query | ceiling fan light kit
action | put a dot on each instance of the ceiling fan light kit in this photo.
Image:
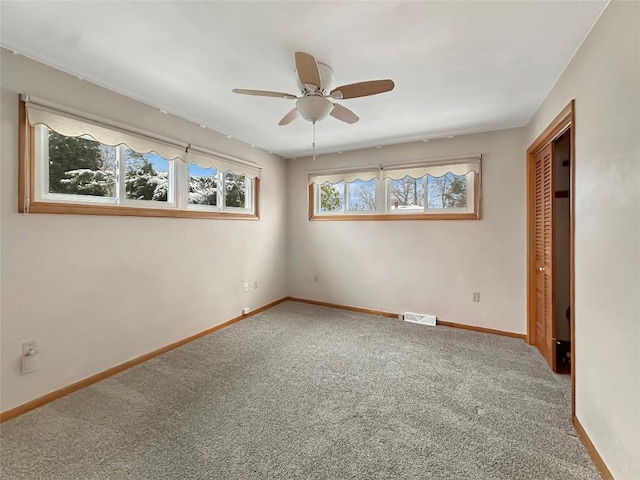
(314, 108)
(314, 82)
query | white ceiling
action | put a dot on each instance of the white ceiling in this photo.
(459, 67)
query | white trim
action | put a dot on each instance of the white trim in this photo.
(79, 199)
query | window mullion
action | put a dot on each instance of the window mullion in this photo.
(248, 193)
(470, 186)
(387, 195)
(181, 183)
(42, 187)
(221, 190)
(316, 198)
(425, 183)
(171, 183)
(381, 192)
(119, 168)
(345, 194)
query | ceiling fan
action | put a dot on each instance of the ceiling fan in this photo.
(315, 103)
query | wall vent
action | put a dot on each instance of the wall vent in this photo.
(420, 318)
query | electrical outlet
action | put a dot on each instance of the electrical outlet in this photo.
(26, 346)
(245, 288)
(316, 278)
(245, 311)
(255, 284)
(476, 296)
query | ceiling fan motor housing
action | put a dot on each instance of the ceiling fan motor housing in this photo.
(313, 108)
(326, 78)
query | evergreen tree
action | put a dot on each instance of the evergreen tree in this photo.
(142, 181)
(456, 195)
(88, 182)
(203, 190)
(235, 190)
(74, 167)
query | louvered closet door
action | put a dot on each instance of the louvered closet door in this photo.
(544, 253)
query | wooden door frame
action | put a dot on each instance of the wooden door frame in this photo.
(564, 121)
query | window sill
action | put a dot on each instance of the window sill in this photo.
(396, 216)
(119, 210)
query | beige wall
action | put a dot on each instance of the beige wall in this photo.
(604, 80)
(421, 266)
(97, 291)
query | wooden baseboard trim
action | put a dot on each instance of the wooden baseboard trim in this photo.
(395, 315)
(473, 328)
(56, 394)
(344, 307)
(593, 452)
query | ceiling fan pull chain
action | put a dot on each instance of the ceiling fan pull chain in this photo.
(314, 141)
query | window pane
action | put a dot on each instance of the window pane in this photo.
(81, 166)
(203, 185)
(146, 176)
(235, 190)
(407, 194)
(332, 197)
(447, 191)
(362, 195)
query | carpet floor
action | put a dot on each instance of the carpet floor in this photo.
(308, 392)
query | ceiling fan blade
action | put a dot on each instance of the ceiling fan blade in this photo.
(343, 114)
(363, 89)
(289, 117)
(264, 93)
(307, 69)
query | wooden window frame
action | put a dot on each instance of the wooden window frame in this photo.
(27, 194)
(476, 214)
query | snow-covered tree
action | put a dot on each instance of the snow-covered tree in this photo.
(77, 166)
(84, 181)
(235, 190)
(142, 181)
(203, 190)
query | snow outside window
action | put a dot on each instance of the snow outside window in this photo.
(80, 170)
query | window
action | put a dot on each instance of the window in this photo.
(406, 194)
(446, 189)
(341, 197)
(362, 196)
(209, 187)
(77, 167)
(203, 186)
(146, 177)
(72, 166)
(332, 197)
(236, 191)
